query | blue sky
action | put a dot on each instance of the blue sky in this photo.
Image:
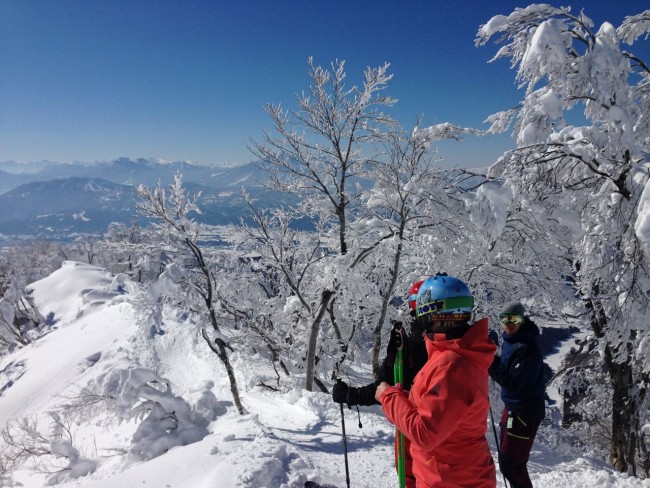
(187, 80)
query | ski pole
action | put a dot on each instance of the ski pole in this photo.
(345, 448)
(398, 377)
(496, 440)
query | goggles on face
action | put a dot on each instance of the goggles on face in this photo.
(511, 318)
(443, 322)
(447, 305)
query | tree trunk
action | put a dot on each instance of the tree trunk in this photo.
(340, 211)
(343, 345)
(220, 350)
(623, 445)
(223, 356)
(376, 346)
(326, 296)
(625, 403)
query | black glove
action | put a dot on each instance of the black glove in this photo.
(395, 340)
(340, 392)
(493, 335)
(365, 395)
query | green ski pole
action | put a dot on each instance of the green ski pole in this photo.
(398, 377)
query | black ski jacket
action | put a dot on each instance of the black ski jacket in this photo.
(520, 372)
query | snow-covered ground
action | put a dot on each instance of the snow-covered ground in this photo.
(284, 439)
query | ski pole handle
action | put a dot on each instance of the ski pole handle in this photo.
(398, 334)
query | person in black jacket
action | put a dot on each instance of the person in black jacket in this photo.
(415, 355)
(519, 372)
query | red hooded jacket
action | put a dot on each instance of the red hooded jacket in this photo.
(445, 414)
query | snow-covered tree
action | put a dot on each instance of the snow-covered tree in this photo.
(520, 251)
(126, 249)
(179, 235)
(20, 320)
(596, 169)
(166, 420)
(13, 330)
(369, 186)
(61, 446)
(283, 267)
(23, 442)
(319, 151)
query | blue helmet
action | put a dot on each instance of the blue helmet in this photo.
(442, 294)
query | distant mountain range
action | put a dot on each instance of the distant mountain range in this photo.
(61, 201)
(127, 171)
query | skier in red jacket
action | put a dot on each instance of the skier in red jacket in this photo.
(444, 416)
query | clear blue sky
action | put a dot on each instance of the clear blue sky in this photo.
(186, 80)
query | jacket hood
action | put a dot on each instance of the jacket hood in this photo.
(474, 345)
(528, 332)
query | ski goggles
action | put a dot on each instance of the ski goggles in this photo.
(511, 318)
(447, 305)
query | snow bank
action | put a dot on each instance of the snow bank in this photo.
(73, 288)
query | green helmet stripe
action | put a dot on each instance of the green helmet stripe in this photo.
(448, 304)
